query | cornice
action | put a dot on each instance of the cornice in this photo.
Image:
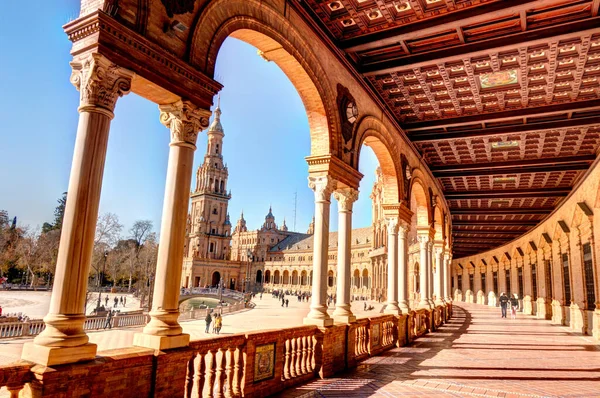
(98, 32)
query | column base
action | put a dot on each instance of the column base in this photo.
(161, 342)
(439, 303)
(50, 356)
(424, 304)
(392, 309)
(344, 318)
(325, 322)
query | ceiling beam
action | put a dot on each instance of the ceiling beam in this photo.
(511, 163)
(508, 193)
(498, 211)
(572, 166)
(428, 136)
(449, 21)
(458, 230)
(565, 31)
(500, 223)
(547, 110)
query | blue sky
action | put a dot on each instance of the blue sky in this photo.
(266, 132)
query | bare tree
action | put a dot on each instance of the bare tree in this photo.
(108, 230)
(139, 233)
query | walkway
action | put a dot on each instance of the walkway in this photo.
(476, 354)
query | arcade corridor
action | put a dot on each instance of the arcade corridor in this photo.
(476, 354)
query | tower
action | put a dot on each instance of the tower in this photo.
(210, 230)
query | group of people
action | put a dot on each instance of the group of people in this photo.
(513, 300)
(217, 323)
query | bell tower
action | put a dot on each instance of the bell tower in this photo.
(210, 231)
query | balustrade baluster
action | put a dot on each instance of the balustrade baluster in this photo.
(220, 374)
(293, 357)
(298, 355)
(229, 373)
(198, 380)
(236, 372)
(286, 364)
(303, 367)
(209, 375)
(311, 354)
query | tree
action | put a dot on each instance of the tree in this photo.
(108, 231)
(139, 233)
(59, 212)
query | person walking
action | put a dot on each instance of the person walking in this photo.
(124, 300)
(116, 300)
(106, 301)
(208, 321)
(287, 302)
(514, 304)
(218, 323)
(108, 322)
(503, 303)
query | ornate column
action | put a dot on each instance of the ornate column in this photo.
(423, 272)
(447, 276)
(430, 275)
(323, 186)
(100, 84)
(392, 260)
(163, 331)
(403, 266)
(439, 275)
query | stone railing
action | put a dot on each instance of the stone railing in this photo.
(256, 364)
(19, 329)
(201, 313)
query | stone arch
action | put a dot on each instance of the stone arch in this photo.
(258, 277)
(356, 277)
(330, 281)
(372, 133)
(286, 277)
(365, 278)
(262, 26)
(303, 278)
(276, 277)
(267, 276)
(295, 277)
(419, 203)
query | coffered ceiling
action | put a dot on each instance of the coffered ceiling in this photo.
(501, 97)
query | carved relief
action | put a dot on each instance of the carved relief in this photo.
(99, 81)
(348, 112)
(178, 6)
(406, 176)
(184, 120)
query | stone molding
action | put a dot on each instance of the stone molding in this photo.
(346, 198)
(323, 186)
(185, 121)
(100, 83)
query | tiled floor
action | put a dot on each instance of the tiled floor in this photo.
(477, 354)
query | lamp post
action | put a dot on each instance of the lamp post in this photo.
(100, 281)
(248, 271)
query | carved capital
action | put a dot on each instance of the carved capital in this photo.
(423, 241)
(100, 83)
(392, 225)
(184, 120)
(346, 198)
(323, 187)
(403, 229)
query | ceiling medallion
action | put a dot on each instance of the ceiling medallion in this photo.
(498, 79)
(177, 7)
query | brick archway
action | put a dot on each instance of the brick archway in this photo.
(263, 27)
(373, 133)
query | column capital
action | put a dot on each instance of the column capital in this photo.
(346, 198)
(100, 83)
(439, 250)
(423, 240)
(323, 186)
(392, 224)
(403, 228)
(185, 120)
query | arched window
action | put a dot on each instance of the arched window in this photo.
(215, 211)
(330, 279)
(222, 186)
(217, 149)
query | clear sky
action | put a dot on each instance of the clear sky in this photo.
(266, 132)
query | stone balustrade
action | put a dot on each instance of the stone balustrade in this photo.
(255, 364)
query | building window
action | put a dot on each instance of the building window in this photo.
(507, 278)
(533, 282)
(520, 281)
(548, 278)
(212, 247)
(215, 211)
(588, 269)
(483, 287)
(471, 276)
(460, 282)
(495, 277)
(566, 278)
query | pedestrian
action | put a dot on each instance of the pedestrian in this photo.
(121, 301)
(0, 310)
(261, 295)
(108, 322)
(106, 301)
(218, 323)
(514, 304)
(282, 302)
(124, 300)
(116, 300)
(287, 302)
(365, 306)
(208, 321)
(503, 303)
